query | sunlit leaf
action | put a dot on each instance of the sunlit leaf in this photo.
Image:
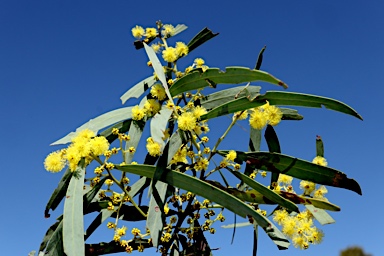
(297, 168)
(99, 123)
(202, 37)
(212, 76)
(320, 215)
(138, 89)
(73, 227)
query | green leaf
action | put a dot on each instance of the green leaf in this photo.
(174, 145)
(215, 99)
(122, 126)
(159, 125)
(290, 114)
(307, 100)
(319, 146)
(273, 147)
(55, 244)
(135, 133)
(48, 235)
(73, 226)
(212, 193)
(99, 123)
(159, 70)
(281, 99)
(232, 75)
(179, 28)
(297, 168)
(260, 58)
(266, 192)
(59, 193)
(138, 89)
(320, 215)
(202, 37)
(90, 195)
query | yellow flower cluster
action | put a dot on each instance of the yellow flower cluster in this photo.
(138, 32)
(84, 145)
(171, 54)
(299, 228)
(263, 115)
(153, 147)
(309, 186)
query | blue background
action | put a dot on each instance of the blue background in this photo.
(64, 62)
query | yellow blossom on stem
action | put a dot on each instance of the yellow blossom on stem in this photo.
(231, 156)
(155, 47)
(111, 225)
(201, 164)
(169, 54)
(273, 114)
(168, 30)
(121, 231)
(135, 231)
(258, 120)
(138, 32)
(187, 121)
(241, 115)
(153, 148)
(285, 179)
(138, 113)
(99, 145)
(198, 111)
(150, 32)
(54, 162)
(152, 106)
(320, 192)
(181, 49)
(320, 161)
(199, 62)
(158, 91)
(307, 186)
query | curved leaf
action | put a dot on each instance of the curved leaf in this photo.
(99, 123)
(266, 192)
(135, 133)
(138, 89)
(319, 146)
(281, 99)
(297, 168)
(59, 193)
(201, 37)
(212, 76)
(212, 193)
(159, 125)
(73, 226)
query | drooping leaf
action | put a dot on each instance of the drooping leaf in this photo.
(266, 192)
(174, 145)
(138, 89)
(158, 67)
(281, 99)
(320, 215)
(319, 146)
(55, 244)
(48, 235)
(297, 168)
(99, 123)
(73, 226)
(202, 37)
(59, 193)
(212, 193)
(231, 75)
(273, 147)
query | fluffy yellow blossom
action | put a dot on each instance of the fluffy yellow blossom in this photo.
(169, 54)
(280, 216)
(187, 121)
(201, 164)
(231, 155)
(54, 162)
(199, 62)
(300, 242)
(158, 91)
(155, 47)
(199, 111)
(320, 192)
(285, 179)
(307, 186)
(181, 49)
(180, 156)
(109, 182)
(150, 32)
(84, 134)
(99, 145)
(72, 157)
(82, 146)
(121, 231)
(168, 30)
(273, 114)
(320, 161)
(152, 106)
(153, 148)
(205, 139)
(258, 120)
(138, 32)
(137, 113)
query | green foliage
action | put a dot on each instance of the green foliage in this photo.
(185, 176)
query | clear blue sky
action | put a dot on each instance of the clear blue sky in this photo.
(64, 62)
